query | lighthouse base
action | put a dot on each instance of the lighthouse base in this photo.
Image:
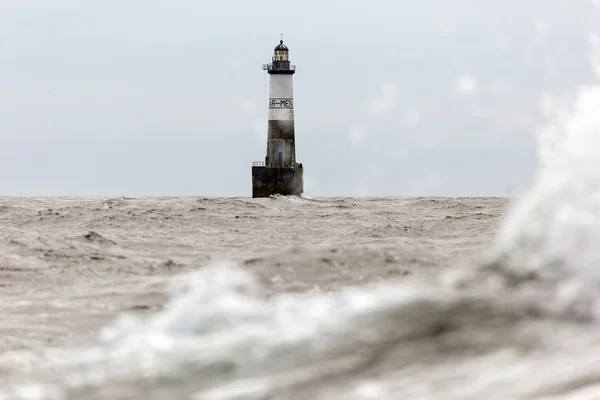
(267, 181)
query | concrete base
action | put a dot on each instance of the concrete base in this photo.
(267, 181)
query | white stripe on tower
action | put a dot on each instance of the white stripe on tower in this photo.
(281, 98)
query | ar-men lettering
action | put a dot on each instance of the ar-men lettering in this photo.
(281, 103)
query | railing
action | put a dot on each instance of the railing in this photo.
(269, 67)
(258, 164)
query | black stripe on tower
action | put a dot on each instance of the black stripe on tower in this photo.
(279, 129)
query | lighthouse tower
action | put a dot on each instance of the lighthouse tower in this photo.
(279, 173)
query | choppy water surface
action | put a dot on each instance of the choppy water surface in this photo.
(223, 297)
(290, 298)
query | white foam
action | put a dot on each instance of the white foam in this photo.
(555, 229)
(222, 328)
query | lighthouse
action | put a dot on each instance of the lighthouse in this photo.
(279, 173)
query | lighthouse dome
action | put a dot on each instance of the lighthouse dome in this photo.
(281, 46)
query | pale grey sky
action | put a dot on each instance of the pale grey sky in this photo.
(393, 97)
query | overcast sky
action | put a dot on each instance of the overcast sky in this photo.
(392, 97)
